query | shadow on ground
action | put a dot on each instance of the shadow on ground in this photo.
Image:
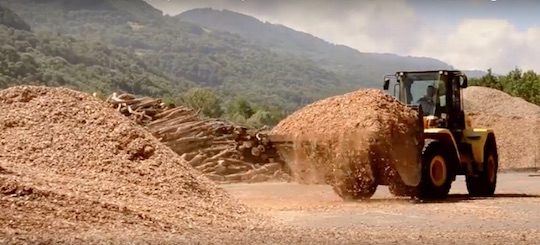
(453, 198)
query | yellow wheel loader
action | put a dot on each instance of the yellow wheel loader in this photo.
(450, 145)
(447, 144)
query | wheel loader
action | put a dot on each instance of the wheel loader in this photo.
(447, 144)
(450, 145)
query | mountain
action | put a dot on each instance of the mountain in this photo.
(10, 19)
(186, 53)
(357, 68)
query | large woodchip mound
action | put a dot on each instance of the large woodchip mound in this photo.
(72, 168)
(353, 141)
(516, 123)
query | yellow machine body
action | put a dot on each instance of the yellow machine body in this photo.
(475, 137)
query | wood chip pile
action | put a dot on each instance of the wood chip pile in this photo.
(515, 121)
(71, 168)
(222, 151)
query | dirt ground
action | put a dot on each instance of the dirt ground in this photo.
(513, 216)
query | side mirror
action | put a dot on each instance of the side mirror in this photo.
(465, 82)
(386, 85)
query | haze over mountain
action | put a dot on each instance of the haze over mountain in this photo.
(10, 19)
(366, 69)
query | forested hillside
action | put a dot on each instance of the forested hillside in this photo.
(183, 51)
(356, 68)
(56, 60)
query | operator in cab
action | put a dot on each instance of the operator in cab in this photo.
(427, 102)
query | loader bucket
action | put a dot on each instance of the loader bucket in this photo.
(409, 170)
(408, 163)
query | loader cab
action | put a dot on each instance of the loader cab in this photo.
(436, 93)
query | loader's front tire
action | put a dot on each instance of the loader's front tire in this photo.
(485, 183)
(436, 172)
(349, 194)
(352, 188)
(400, 189)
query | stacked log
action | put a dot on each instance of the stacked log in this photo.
(221, 150)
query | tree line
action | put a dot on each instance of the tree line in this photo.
(238, 109)
(516, 83)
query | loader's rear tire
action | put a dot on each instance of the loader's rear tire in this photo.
(436, 171)
(485, 183)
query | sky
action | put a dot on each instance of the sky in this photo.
(468, 34)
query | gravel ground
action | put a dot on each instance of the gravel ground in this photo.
(513, 216)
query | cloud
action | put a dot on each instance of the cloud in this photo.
(370, 26)
(482, 44)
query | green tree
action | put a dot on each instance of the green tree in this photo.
(239, 108)
(203, 99)
(516, 83)
(260, 118)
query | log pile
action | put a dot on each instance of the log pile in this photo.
(222, 151)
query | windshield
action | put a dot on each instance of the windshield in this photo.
(422, 89)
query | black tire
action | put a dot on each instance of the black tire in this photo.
(354, 180)
(401, 190)
(396, 186)
(354, 190)
(351, 183)
(436, 171)
(485, 183)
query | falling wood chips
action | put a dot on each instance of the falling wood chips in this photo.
(219, 149)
